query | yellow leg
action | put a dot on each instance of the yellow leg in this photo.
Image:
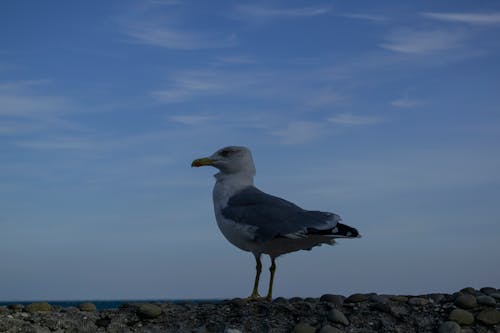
(258, 270)
(272, 269)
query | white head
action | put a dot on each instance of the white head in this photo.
(229, 160)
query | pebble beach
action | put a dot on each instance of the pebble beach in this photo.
(468, 310)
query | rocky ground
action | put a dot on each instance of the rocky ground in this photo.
(469, 310)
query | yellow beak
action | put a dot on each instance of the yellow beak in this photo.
(202, 162)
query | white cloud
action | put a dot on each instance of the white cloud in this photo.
(405, 102)
(367, 17)
(171, 38)
(259, 12)
(423, 41)
(468, 18)
(299, 132)
(353, 120)
(190, 119)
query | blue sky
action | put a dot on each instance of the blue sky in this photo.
(386, 113)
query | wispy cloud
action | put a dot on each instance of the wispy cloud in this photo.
(299, 132)
(354, 120)
(173, 38)
(406, 102)
(190, 119)
(262, 13)
(423, 41)
(366, 17)
(468, 18)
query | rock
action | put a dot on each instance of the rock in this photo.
(437, 298)
(418, 301)
(462, 317)
(401, 299)
(486, 300)
(295, 299)
(279, 300)
(378, 299)
(232, 330)
(449, 327)
(148, 310)
(489, 317)
(330, 329)
(304, 328)
(103, 322)
(466, 301)
(468, 290)
(3, 309)
(338, 300)
(338, 317)
(310, 300)
(356, 298)
(496, 296)
(39, 307)
(87, 306)
(16, 307)
(488, 290)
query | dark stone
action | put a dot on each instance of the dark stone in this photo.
(338, 300)
(466, 301)
(356, 298)
(489, 317)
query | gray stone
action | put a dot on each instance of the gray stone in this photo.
(437, 298)
(418, 301)
(449, 327)
(468, 290)
(486, 300)
(401, 299)
(466, 301)
(39, 307)
(232, 330)
(379, 299)
(148, 310)
(356, 298)
(338, 300)
(330, 329)
(338, 317)
(489, 317)
(16, 307)
(304, 328)
(87, 306)
(488, 290)
(496, 296)
(462, 317)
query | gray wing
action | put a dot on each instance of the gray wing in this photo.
(275, 217)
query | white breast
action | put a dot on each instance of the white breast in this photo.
(226, 186)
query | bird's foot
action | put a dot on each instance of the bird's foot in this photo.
(254, 297)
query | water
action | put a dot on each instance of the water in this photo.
(112, 304)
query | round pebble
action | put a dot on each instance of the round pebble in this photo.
(486, 300)
(419, 301)
(338, 300)
(330, 329)
(469, 290)
(338, 317)
(356, 298)
(402, 299)
(304, 328)
(496, 296)
(488, 290)
(466, 301)
(489, 317)
(449, 327)
(462, 317)
(39, 307)
(149, 310)
(88, 307)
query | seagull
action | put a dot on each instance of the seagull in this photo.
(260, 223)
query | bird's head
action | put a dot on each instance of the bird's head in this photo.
(232, 159)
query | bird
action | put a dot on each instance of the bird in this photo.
(260, 223)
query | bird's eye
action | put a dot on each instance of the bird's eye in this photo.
(225, 152)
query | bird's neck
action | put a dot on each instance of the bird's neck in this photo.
(228, 184)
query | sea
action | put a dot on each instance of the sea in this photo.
(112, 304)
